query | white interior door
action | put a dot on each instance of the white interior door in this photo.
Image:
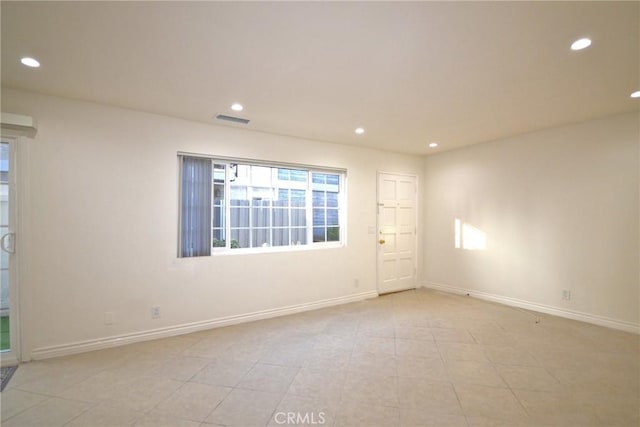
(397, 231)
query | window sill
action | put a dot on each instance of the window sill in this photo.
(277, 249)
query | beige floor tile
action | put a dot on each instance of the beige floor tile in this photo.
(327, 342)
(52, 412)
(171, 346)
(271, 378)
(515, 372)
(193, 401)
(56, 380)
(345, 328)
(611, 380)
(159, 420)
(204, 351)
(299, 410)
(460, 351)
(493, 338)
(105, 416)
(452, 335)
(290, 337)
(528, 378)
(13, 401)
(319, 384)
(181, 368)
(412, 417)
(416, 348)
(616, 409)
(422, 367)
(245, 352)
(27, 372)
(329, 359)
(287, 355)
(91, 362)
(448, 322)
(477, 421)
(374, 330)
(373, 364)
(429, 396)
(509, 355)
(145, 365)
(358, 414)
(551, 358)
(143, 393)
(408, 320)
(490, 402)
(97, 388)
(613, 415)
(245, 408)
(376, 345)
(557, 409)
(612, 361)
(223, 372)
(477, 373)
(414, 333)
(373, 390)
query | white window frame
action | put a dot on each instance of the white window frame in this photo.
(310, 169)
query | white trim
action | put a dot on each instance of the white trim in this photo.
(269, 163)
(18, 125)
(541, 308)
(118, 340)
(12, 355)
(8, 360)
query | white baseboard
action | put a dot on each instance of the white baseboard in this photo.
(541, 308)
(118, 340)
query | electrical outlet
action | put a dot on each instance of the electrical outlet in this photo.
(356, 283)
(566, 294)
(155, 312)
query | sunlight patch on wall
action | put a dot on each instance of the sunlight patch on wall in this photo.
(468, 237)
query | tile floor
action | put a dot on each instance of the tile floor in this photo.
(416, 358)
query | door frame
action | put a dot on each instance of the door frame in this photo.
(13, 355)
(378, 225)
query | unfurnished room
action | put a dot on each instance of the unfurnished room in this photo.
(320, 213)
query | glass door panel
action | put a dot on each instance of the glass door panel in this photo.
(8, 312)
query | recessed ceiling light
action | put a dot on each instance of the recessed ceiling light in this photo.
(359, 131)
(636, 94)
(433, 145)
(237, 107)
(581, 44)
(30, 62)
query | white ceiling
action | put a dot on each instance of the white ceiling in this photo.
(409, 73)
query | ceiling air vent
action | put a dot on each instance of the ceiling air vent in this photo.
(232, 119)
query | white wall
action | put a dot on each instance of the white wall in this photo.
(560, 211)
(99, 225)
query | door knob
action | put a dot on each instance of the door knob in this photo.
(381, 241)
(8, 247)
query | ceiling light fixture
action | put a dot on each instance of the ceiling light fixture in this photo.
(636, 94)
(237, 107)
(30, 62)
(359, 131)
(433, 145)
(581, 44)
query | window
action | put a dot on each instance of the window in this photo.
(231, 205)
